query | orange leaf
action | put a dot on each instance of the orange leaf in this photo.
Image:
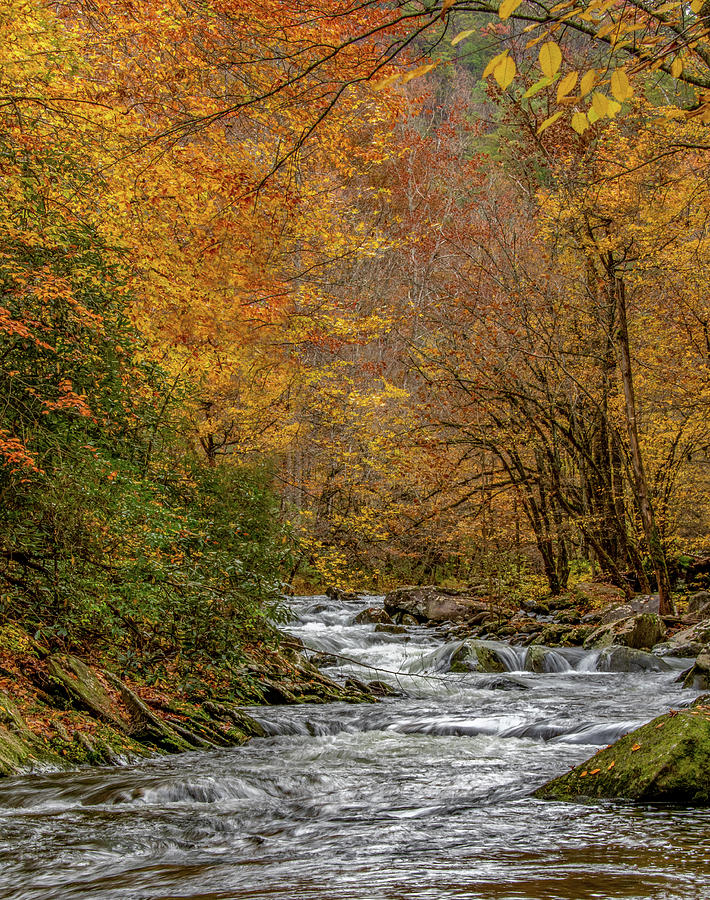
(636, 747)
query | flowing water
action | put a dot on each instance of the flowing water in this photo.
(425, 795)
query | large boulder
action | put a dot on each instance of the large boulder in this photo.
(19, 748)
(665, 761)
(544, 659)
(643, 603)
(430, 604)
(641, 632)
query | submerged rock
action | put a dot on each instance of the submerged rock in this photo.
(665, 761)
(434, 604)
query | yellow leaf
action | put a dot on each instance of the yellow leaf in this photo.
(493, 63)
(566, 85)
(635, 747)
(676, 67)
(549, 121)
(420, 70)
(550, 59)
(508, 7)
(620, 85)
(504, 72)
(696, 5)
(600, 104)
(592, 115)
(606, 29)
(611, 764)
(386, 82)
(589, 79)
(612, 108)
(462, 35)
(583, 774)
(579, 122)
(537, 87)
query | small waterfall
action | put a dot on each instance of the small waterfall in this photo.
(512, 658)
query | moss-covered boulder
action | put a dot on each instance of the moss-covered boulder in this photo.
(477, 656)
(639, 632)
(15, 753)
(83, 689)
(544, 659)
(19, 747)
(665, 761)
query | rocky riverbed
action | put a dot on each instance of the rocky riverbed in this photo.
(426, 794)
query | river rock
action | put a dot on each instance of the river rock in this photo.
(477, 656)
(665, 761)
(641, 632)
(628, 659)
(429, 604)
(373, 615)
(544, 659)
(557, 634)
(698, 676)
(390, 629)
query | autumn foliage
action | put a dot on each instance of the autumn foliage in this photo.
(288, 290)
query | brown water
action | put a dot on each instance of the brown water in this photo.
(422, 796)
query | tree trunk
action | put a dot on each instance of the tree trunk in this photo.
(643, 497)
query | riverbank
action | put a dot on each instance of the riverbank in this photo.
(63, 710)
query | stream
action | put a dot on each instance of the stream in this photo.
(425, 795)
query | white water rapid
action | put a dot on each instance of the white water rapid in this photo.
(423, 796)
